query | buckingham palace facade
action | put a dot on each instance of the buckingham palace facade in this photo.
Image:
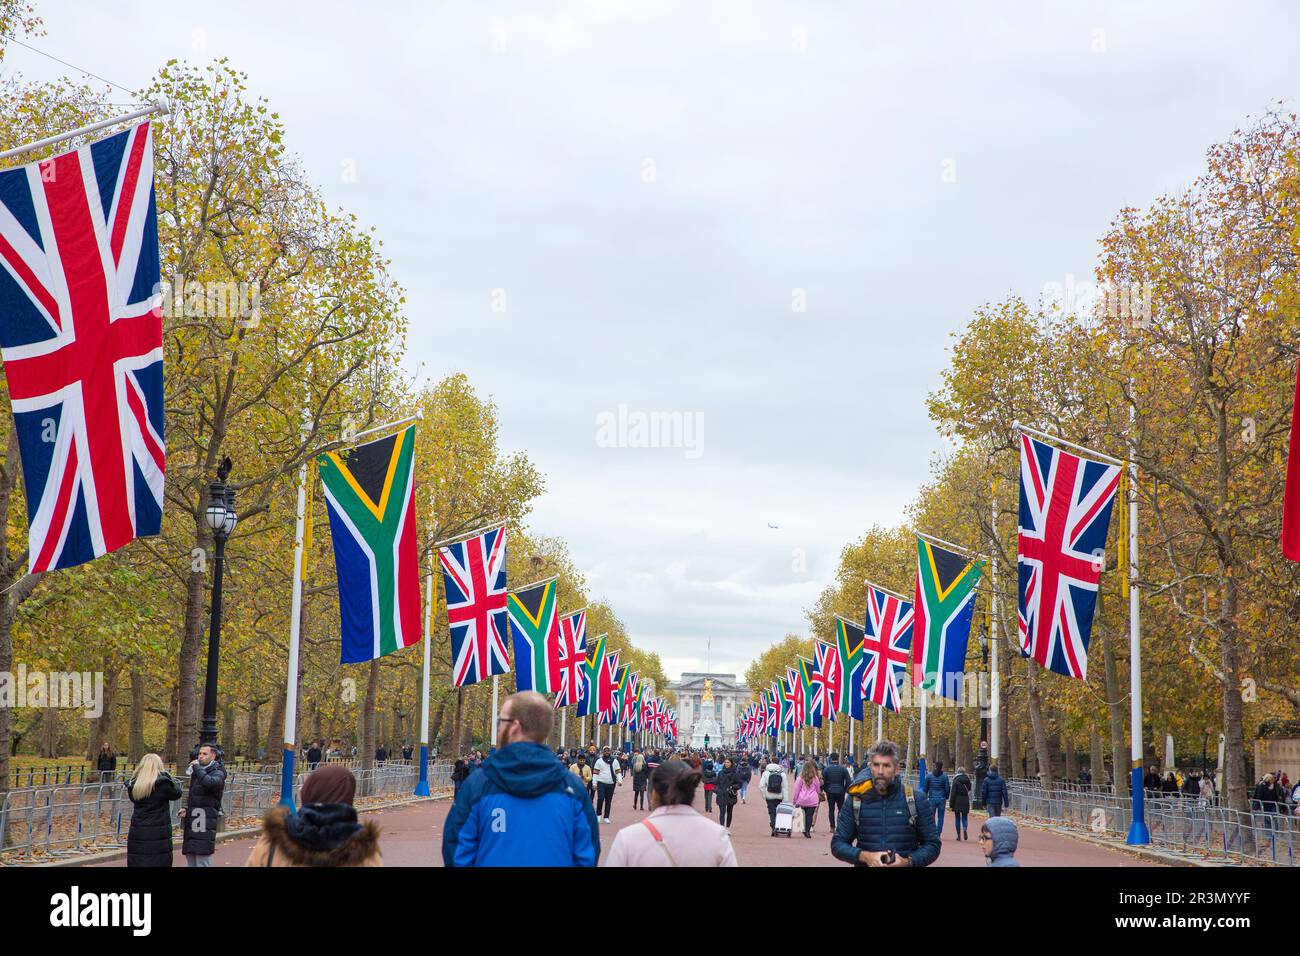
(730, 697)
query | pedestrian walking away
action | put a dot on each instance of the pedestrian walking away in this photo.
(994, 793)
(709, 774)
(325, 832)
(776, 790)
(640, 777)
(727, 791)
(674, 833)
(835, 781)
(960, 804)
(807, 794)
(937, 790)
(523, 808)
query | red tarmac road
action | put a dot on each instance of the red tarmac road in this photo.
(412, 836)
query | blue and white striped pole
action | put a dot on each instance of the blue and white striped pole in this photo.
(422, 785)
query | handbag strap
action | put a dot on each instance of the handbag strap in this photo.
(659, 839)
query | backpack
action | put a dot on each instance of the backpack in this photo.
(774, 782)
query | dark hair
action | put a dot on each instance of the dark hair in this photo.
(674, 782)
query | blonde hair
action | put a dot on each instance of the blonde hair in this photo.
(146, 775)
(809, 772)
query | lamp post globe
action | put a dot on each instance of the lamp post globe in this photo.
(221, 519)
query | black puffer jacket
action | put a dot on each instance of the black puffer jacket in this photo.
(149, 840)
(203, 808)
(960, 799)
(835, 780)
(727, 784)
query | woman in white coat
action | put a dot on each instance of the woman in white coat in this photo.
(674, 833)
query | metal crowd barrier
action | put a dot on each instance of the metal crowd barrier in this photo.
(68, 820)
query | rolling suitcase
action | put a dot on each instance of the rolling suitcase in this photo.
(785, 819)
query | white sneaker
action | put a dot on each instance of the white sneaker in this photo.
(607, 819)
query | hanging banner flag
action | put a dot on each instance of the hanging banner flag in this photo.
(571, 659)
(474, 572)
(370, 499)
(535, 630)
(945, 601)
(81, 337)
(793, 715)
(615, 714)
(1065, 504)
(608, 691)
(885, 642)
(596, 686)
(1291, 492)
(828, 675)
(848, 641)
(805, 669)
(775, 709)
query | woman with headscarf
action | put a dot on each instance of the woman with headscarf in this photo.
(324, 831)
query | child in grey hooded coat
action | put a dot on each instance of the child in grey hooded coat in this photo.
(1000, 838)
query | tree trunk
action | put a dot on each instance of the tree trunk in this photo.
(253, 737)
(435, 724)
(1071, 760)
(275, 729)
(174, 729)
(1014, 739)
(228, 724)
(1041, 751)
(1115, 704)
(1234, 748)
(50, 732)
(1098, 761)
(135, 732)
(187, 729)
(458, 749)
(104, 725)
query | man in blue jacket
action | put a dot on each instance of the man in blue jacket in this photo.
(937, 790)
(993, 793)
(524, 808)
(882, 816)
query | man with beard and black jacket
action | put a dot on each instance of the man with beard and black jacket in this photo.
(835, 783)
(885, 823)
(202, 807)
(523, 808)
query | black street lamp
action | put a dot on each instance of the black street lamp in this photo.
(220, 515)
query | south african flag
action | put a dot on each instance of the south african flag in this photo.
(370, 496)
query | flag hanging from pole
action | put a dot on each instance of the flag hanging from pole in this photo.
(945, 602)
(775, 709)
(474, 573)
(81, 336)
(848, 641)
(571, 659)
(535, 630)
(828, 675)
(370, 499)
(808, 686)
(885, 642)
(1065, 503)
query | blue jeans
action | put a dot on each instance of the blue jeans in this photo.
(960, 821)
(744, 788)
(938, 817)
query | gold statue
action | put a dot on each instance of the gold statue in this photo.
(708, 692)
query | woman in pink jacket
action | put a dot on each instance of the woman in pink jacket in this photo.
(808, 794)
(674, 833)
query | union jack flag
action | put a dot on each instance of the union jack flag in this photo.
(81, 334)
(474, 572)
(886, 640)
(828, 679)
(572, 659)
(1065, 504)
(774, 709)
(795, 699)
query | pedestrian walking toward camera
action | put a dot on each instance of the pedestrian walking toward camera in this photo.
(999, 839)
(885, 823)
(745, 772)
(606, 774)
(728, 791)
(674, 833)
(151, 791)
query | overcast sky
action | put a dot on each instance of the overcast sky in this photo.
(769, 217)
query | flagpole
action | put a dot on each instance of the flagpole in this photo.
(920, 761)
(1048, 436)
(880, 722)
(457, 538)
(422, 785)
(1138, 834)
(994, 677)
(870, 583)
(149, 110)
(564, 712)
(295, 625)
(492, 734)
(948, 544)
